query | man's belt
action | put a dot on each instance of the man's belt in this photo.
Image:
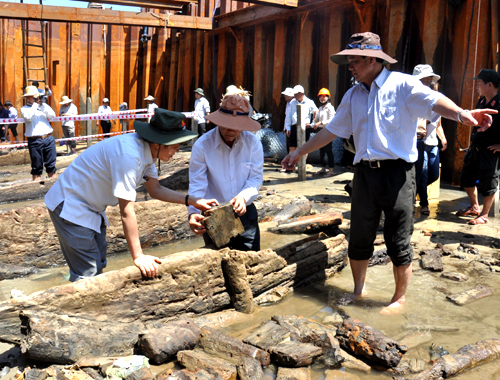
(376, 164)
(39, 137)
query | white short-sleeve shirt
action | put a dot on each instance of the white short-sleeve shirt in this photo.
(108, 170)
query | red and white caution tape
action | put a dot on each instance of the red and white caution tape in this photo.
(129, 111)
(95, 116)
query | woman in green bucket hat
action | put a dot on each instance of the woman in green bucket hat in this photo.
(107, 174)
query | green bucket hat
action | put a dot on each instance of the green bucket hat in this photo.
(165, 128)
(199, 91)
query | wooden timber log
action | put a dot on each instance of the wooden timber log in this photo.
(467, 357)
(268, 334)
(293, 373)
(295, 354)
(234, 268)
(26, 190)
(296, 208)
(365, 341)
(310, 223)
(216, 343)
(28, 238)
(62, 339)
(13, 271)
(188, 283)
(196, 359)
(162, 344)
(222, 224)
(250, 369)
(470, 295)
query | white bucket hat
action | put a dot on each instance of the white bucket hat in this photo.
(298, 89)
(65, 100)
(30, 91)
(424, 71)
(288, 91)
(105, 100)
(149, 98)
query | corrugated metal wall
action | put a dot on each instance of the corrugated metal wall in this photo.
(263, 54)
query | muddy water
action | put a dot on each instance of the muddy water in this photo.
(425, 305)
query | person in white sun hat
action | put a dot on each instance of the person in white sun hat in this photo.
(68, 127)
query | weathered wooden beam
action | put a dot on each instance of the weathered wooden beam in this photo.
(276, 3)
(162, 4)
(99, 16)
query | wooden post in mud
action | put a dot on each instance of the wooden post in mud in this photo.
(301, 139)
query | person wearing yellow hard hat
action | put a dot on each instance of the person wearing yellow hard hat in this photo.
(325, 114)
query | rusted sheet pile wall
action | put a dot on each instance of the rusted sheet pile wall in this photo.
(264, 49)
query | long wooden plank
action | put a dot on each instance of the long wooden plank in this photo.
(99, 16)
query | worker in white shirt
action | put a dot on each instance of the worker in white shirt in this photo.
(41, 143)
(105, 124)
(227, 164)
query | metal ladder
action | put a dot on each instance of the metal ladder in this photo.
(26, 58)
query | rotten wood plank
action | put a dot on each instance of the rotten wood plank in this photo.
(293, 373)
(196, 359)
(268, 334)
(160, 345)
(222, 223)
(362, 340)
(250, 369)
(295, 354)
(431, 259)
(308, 331)
(217, 343)
(470, 295)
(310, 223)
(235, 269)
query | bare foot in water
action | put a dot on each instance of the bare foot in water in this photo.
(393, 308)
(351, 298)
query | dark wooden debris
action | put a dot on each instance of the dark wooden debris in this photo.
(301, 207)
(250, 369)
(365, 341)
(184, 374)
(459, 277)
(141, 374)
(216, 343)
(466, 358)
(332, 357)
(196, 359)
(162, 344)
(36, 374)
(310, 223)
(269, 333)
(468, 248)
(222, 224)
(8, 271)
(380, 257)
(431, 259)
(470, 295)
(295, 354)
(447, 251)
(284, 373)
(430, 328)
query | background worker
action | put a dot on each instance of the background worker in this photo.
(325, 114)
(202, 109)
(107, 174)
(288, 94)
(150, 103)
(227, 164)
(41, 143)
(4, 128)
(12, 115)
(44, 94)
(68, 127)
(105, 124)
(482, 159)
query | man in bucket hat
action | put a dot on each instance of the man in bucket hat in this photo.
(202, 109)
(107, 174)
(381, 112)
(68, 108)
(227, 164)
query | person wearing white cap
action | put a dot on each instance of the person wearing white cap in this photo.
(41, 143)
(202, 109)
(381, 112)
(68, 127)
(428, 131)
(150, 104)
(291, 118)
(123, 122)
(105, 109)
(288, 94)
